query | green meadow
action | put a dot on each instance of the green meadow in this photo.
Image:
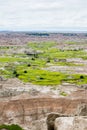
(30, 67)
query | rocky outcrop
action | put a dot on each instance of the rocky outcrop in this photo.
(25, 110)
(71, 123)
(53, 124)
(34, 110)
(51, 120)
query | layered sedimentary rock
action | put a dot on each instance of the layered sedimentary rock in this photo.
(25, 111)
(38, 111)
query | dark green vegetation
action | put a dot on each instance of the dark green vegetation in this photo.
(29, 66)
(10, 127)
(38, 34)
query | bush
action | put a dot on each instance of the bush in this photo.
(29, 65)
(10, 127)
(25, 71)
(81, 77)
(14, 72)
(33, 59)
(16, 75)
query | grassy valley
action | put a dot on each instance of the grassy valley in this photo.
(29, 63)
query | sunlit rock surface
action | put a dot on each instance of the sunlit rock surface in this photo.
(71, 123)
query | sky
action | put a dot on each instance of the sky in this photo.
(43, 15)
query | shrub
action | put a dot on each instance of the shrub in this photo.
(33, 59)
(25, 71)
(81, 77)
(10, 127)
(14, 72)
(29, 65)
(16, 75)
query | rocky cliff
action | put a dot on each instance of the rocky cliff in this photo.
(25, 111)
(37, 111)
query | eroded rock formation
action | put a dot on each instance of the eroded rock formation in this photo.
(25, 111)
(42, 112)
(71, 123)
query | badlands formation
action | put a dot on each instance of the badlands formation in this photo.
(43, 80)
(35, 108)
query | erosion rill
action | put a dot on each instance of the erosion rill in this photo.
(42, 113)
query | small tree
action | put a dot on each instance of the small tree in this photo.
(25, 71)
(81, 77)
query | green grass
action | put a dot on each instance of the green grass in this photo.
(66, 64)
(34, 73)
(41, 45)
(71, 42)
(63, 93)
(41, 77)
(78, 79)
(12, 59)
(10, 127)
(55, 53)
(44, 77)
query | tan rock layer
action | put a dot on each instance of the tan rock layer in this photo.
(23, 111)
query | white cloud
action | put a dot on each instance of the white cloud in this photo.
(42, 14)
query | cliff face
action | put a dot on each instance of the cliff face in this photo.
(34, 109)
(26, 111)
(38, 111)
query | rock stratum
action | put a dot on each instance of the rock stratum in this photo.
(33, 113)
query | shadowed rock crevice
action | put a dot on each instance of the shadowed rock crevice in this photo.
(81, 112)
(51, 120)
